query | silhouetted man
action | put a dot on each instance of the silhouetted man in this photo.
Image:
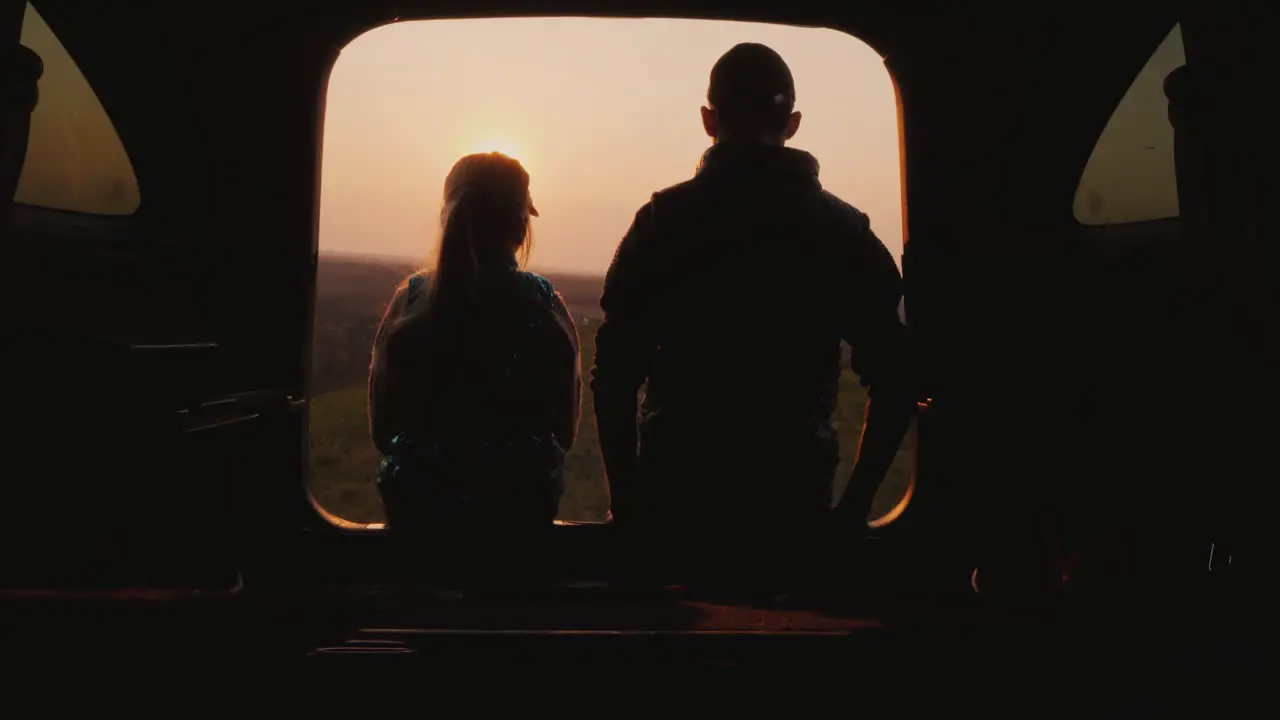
(730, 295)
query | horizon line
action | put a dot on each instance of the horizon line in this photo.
(407, 260)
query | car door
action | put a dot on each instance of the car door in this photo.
(1220, 117)
(129, 422)
(1098, 383)
(1044, 306)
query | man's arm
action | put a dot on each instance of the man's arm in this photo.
(881, 358)
(624, 348)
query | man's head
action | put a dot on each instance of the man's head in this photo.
(751, 97)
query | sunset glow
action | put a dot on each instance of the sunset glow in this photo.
(500, 145)
(601, 112)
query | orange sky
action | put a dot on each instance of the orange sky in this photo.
(601, 112)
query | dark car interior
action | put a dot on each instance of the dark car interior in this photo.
(155, 475)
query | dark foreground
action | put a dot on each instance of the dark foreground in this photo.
(1117, 660)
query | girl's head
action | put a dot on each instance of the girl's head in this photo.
(483, 226)
(485, 220)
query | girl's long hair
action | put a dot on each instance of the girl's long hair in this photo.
(444, 342)
(483, 225)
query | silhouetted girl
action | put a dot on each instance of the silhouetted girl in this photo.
(474, 385)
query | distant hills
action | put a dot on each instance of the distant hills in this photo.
(344, 274)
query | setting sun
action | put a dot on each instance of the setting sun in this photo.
(506, 147)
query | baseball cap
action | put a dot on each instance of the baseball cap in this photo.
(753, 78)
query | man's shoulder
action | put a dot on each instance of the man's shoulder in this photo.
(682, 189)
(663, 207)
(850, 218)
(674, 198)
(854, 238)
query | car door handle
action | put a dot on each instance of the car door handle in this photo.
(236, 408)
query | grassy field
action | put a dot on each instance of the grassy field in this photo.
(350, 296)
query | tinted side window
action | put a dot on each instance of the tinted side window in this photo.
(1130, 176)
(75, 160)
